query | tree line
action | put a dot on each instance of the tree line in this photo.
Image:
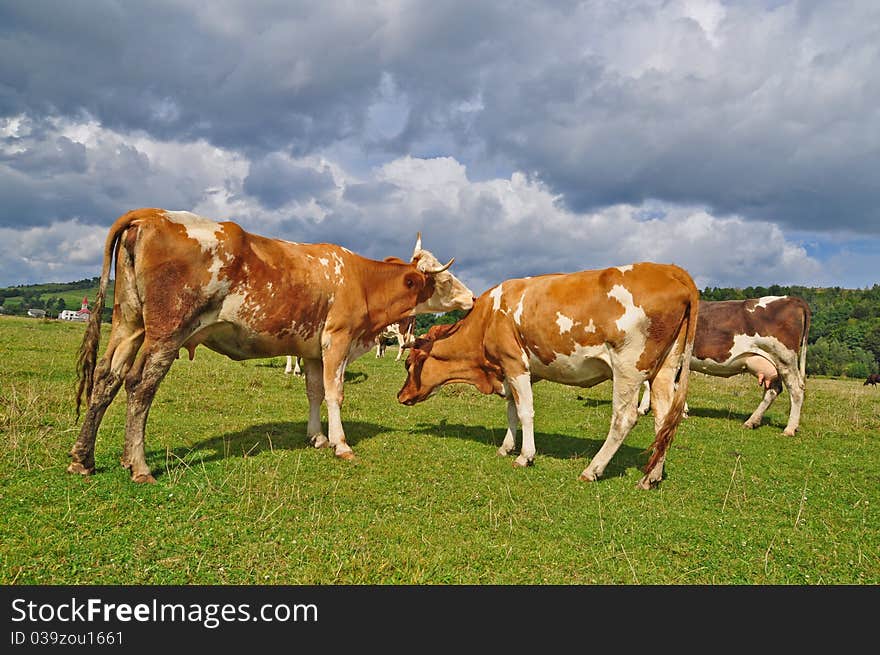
(844, 330)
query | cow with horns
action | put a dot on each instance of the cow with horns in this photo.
(628, 324)
(183, 280)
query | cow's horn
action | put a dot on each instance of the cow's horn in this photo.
(441, 269)
(418, 245)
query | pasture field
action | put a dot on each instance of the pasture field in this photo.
(242, 499)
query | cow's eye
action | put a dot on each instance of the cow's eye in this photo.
(409, 283)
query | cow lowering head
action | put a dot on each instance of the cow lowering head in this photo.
(449, 292)
(437, 359)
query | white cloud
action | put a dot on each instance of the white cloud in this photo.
(496, 228)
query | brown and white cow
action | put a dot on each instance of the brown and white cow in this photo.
(183, 280)
(628, 324)
(766, 337)
(402, 331)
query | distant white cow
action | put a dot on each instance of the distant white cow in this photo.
(292, 366)
(766, 337)
(402, 331)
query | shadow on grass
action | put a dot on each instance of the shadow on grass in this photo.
(737, 417)
(594, 402)
(284, 435)
(560, 446)
(351, 377)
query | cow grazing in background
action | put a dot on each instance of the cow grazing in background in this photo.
(183, 280)
(766, 337)
(402, 331)
(293, 365)
(627, 324)
(873, 379)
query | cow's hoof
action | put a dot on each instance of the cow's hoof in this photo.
(502, 452)
(143, 478)
(789, 433)
(587, 476)
(749, 425)
(522, 462)
(76, 467)
(646, 483)
(347, 455)
(319, 441)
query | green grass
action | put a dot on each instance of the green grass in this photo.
(242, 499)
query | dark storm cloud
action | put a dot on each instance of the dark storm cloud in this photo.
(763, 110)
(276, 180)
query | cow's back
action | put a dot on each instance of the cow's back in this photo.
(729, 327)
(238, 293)
(570, 324)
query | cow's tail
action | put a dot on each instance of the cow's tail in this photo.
(88, 350)
(802, 354)
(676, 411)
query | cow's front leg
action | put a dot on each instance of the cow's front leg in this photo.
(314, 371)
(335, 360)
(521, 390)
(509, 442)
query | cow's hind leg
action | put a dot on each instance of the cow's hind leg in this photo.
(141, 385)
(795, 385)
(314, 371)
(109, 374)
(625, 400)
(662, 391)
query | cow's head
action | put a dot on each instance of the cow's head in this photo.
(429, 367)
(449, 292)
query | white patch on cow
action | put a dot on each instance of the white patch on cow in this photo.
(745, 346)
(232, 306)
(215, 285)
(633, 323)
(517, 315)
(633, 316)
(346, 250)
(324, 261)
(495, 295)
(525, 358)
(624, 269)
(564, 322)
(199, 228)
(591, 327)
(766, 300)
(339, 265)
(583, 366)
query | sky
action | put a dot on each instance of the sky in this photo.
(737, 139)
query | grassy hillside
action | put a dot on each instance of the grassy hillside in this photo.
(241, 498)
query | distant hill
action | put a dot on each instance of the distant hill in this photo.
(54, 297)
(844, 332)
